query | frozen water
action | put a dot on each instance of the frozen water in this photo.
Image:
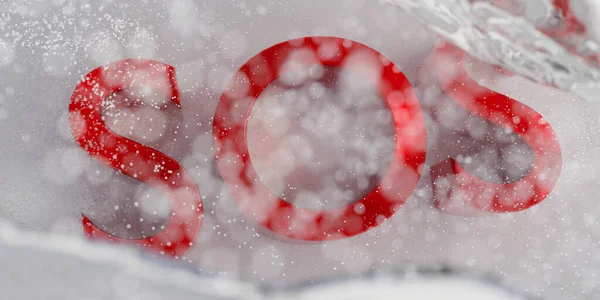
(537, 39)
(47, 181)
(415, 287)
(66, 268)
(60, 267)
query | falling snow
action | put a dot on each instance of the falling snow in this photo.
(362, 162)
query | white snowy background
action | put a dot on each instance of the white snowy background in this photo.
(46, 181)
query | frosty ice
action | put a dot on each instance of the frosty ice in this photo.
(462, 194)
(319, 138)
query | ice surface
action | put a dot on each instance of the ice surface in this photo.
(37, 266)
(532, 38)
(388, 287)
(66, 268)
(47, 181)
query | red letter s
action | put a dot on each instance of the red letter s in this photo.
(464, 193)
(133, 159)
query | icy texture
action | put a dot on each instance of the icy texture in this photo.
(532, 38)
(47, 181)
(388, 287)
(54, 267)
(63, 268)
